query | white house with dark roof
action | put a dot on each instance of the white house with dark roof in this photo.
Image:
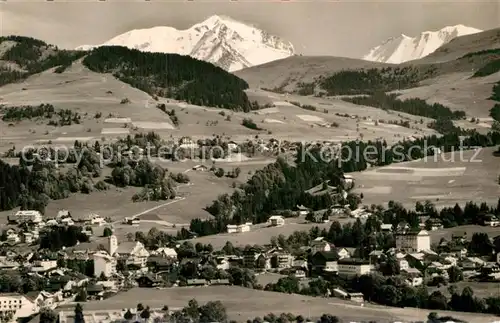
(104, 264)
(134, 253)
(20, 305)
(320, 244)
(276, 220)
(413, 241)
(24, 216)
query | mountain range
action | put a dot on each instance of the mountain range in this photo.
(404, 48)
(225, 42)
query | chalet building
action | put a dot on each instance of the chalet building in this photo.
(276, 221)
(148, 281)
(324, 261)
(320, 244)
(20, 305)
(281, 260)
(26, 216)
(354, 267)
(413, 241)
(233, 228)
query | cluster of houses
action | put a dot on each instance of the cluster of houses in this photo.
(120, 265)
(30, 222)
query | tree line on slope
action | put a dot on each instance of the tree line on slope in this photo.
(495, 110)
(66, 117)
(32, 56)
(281, 186)
(490, 67)
(416, 107)
(367, 81)
(171, 75)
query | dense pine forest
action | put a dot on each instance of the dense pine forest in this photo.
(495, 96)
(171, 75)
(366, 81)
(416, 107)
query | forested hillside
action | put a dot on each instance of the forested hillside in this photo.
(21, 57)
(443, 115)
(171, 75)
(166, 75)
(367, 81)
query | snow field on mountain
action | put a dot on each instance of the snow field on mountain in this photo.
(403, 48)
(223, 41)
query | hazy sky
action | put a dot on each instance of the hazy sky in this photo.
(341, 28)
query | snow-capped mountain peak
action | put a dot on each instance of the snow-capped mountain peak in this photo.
(404, 48)
(220, 40)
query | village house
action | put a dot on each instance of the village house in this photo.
(320, 244)
(19, 305)
(25, 216)
(354, 267)
(160, 264)
(232, 146)
(12, 237)
(27, 237)
(187, 143)
(491, 221)
(276, 221)
(67, 221)
(403, 264)
(104, 264)
(324, 261)
(413, 241)
(222, 263)
(302, 210)
(201, 168)
(250, 256)
(281, 260)
(133, 253)
(165, 252)
(148, 281)
(344, 252)
(62, 214)
(386, 227)
(436, 224)
(132, 221)
(44, 299)
(40, 266)
(348, 181)
(7, 264)
(413, 276)
(233, 228)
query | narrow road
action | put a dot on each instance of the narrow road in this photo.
(152, 209)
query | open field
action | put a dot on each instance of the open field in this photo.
(454, 91)
(444, 179)
(243, 303)
(91, 94)
(292, 70)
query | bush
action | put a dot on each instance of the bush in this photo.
(250, 124)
